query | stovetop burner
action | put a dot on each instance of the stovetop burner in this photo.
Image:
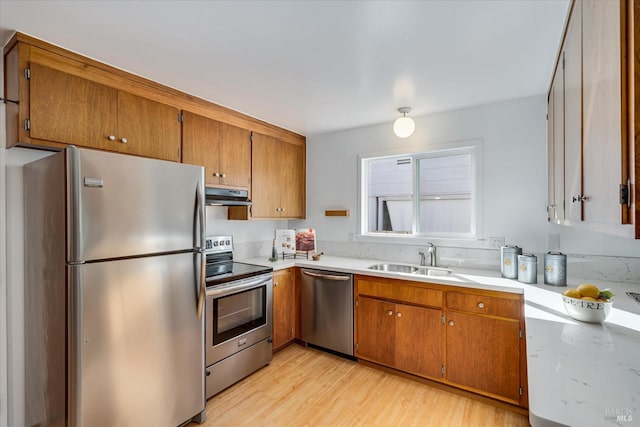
(220, 265)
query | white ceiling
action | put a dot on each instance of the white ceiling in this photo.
(313, 66)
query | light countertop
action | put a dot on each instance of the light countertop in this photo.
(580, 374)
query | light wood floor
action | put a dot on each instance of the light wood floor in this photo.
(308, 387)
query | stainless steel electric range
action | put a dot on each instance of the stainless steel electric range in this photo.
(238, 323)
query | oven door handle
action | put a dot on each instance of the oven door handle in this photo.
(242, 286)
(326, 276)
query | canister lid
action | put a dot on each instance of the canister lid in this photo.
(551, 255)
(527, 258)
(511, 249)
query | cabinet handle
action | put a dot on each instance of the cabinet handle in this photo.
(390, 313)
(216, 174)
(124, 140)
(224, 175)
(480, 305)
(112, 137)
(275, 284)
(399, 314)
(451, 323)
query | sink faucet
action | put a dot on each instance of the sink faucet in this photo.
(433, 262)
(432, 256)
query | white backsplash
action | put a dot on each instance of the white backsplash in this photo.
(587, 267)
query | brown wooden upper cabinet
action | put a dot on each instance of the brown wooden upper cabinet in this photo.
(591, 127)
(59, 107)
(224, 150)
(277, 180)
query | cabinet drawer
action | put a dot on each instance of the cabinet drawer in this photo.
(483, 304)
(397, 290)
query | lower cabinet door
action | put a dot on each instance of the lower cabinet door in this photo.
(376, 330)
(283, 307)
(419, 340)
(484, 353)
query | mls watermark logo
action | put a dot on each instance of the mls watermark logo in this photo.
(618, 414)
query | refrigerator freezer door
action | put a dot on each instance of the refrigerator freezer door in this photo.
(120, 206)
(136, 351)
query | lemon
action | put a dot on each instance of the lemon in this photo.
(589, 290)
(572, 293)
(588, 299)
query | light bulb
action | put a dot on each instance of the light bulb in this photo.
(403, 127)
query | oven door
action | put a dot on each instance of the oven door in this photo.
(238, 315)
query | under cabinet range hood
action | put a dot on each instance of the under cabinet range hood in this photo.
(226, 197)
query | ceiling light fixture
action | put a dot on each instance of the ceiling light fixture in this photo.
(404, 126)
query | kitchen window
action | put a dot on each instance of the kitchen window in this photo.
(433, 193)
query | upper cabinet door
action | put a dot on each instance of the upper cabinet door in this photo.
(235, 156)
(572, 55)
(293, 176)
(265, 175)
(147, 128)
(603, 74)
(72, 110)
(200, 145)
(555, 148)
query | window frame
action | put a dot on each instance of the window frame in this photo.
(473, 147)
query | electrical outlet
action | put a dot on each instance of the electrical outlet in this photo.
(496, 242)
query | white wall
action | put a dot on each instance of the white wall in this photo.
(250, 238)
(514, 187)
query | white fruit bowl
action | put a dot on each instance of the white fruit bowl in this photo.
(587, 311)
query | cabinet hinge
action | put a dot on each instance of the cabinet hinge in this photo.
(442, 319)
(180, 118)
(27, 124)
(27, 73)
(250, 136)
(521, 333)
(442, 370)
(625, 193)
(357, 346)
(521, 391)
(356, 303)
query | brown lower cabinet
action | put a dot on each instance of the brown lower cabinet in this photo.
(403, 336)
(466, 338)
(483, 353)
(284, 307)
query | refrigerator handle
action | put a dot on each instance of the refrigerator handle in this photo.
(203, 267)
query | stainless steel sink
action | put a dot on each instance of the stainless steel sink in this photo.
(394, 268)
(433, 271)
(410, 269)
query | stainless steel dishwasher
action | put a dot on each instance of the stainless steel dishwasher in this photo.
(327, 310)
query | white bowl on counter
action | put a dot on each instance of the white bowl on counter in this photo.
(587, 311)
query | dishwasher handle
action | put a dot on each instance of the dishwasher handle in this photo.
(326, 276)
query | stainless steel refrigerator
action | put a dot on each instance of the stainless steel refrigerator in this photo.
(114, 287)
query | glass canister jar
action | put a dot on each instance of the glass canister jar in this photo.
(527, 268)
(555, 269)
(509, 261)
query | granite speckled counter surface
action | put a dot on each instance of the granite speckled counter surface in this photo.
(580, 374)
